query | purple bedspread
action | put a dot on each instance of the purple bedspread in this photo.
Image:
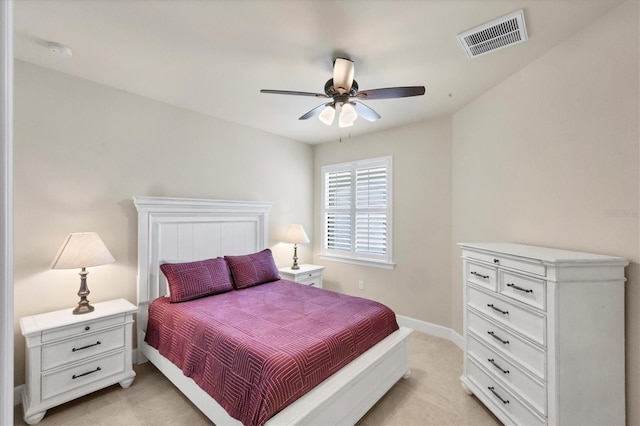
(257, 350)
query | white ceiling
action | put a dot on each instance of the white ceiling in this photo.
(213, 56)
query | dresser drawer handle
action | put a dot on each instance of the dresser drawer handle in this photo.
(86, 347)
(84, 374)
(492, 361)
(504, 342)
(497, 309)
(479, 275)
(87, 328)
(515, 287)
(493, 391)
(496, 261)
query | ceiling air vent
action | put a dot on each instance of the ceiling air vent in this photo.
(494, 35)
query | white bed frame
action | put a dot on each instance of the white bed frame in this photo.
(182, 229)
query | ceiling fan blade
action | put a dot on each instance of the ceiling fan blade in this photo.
(342, 75)
(391, 92)
(317, 110)
(366, 112)
(289, 92)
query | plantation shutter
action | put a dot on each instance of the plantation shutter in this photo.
(371, 210)
(357, 211)
(338, 210)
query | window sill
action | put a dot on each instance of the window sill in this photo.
(361, 262)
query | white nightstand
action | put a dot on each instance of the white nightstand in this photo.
(307, 275)
(68, 356)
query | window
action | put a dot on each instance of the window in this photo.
(356, 212)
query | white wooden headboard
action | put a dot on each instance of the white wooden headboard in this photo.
(187, 229)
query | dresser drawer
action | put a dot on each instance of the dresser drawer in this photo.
(81, 328)
(80, 375)
(527, 354)
(530, 266)
(522, 320)
(525, 289)
(504, 399)
(531, 390)
(482, 275)
(68, 351)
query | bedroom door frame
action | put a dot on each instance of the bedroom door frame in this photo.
(6, 214)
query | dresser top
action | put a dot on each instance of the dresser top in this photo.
(49, 320)
(545, 254)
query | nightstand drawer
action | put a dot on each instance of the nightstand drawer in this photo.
(81, 328)
(80, 375)
(312, 279)
(74, 350)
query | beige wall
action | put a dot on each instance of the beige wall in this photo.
(550, 157)
(82, 150)
(418, 287)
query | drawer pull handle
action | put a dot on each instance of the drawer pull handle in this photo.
(504, 342)
(87, 328)
(479, 275)
(497, 261)
(86, 347)
(84, 374)
(493, 391)
(515, 287)
(497, 309)
(492, 361)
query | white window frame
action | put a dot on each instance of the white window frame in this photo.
(367, 259)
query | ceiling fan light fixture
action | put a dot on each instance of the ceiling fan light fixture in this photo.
(328, 114)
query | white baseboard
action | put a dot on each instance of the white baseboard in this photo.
(432, 329)
(422, 326)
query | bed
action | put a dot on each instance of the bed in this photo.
(184, 230)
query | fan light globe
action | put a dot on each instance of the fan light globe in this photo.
(328, 114)
(348, 115)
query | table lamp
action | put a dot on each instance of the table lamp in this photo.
(295, 235)
(82, 250)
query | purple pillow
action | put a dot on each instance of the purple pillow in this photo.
(252, 269)
(191, 280)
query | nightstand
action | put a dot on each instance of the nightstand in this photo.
(68, 356)
(307, 274)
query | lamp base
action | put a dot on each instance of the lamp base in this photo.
(83, 305)
(295, 257)
(83, 309)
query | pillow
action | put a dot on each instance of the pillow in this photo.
(252, 269)
(191, 280)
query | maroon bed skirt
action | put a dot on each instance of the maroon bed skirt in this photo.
(257, 350)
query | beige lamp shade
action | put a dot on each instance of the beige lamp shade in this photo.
(296, 235)
(81, 250)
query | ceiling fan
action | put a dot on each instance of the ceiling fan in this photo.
(343, 91)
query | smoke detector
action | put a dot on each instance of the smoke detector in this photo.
(59, 49)
(502, 32)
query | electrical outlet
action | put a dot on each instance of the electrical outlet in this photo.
(361, 285)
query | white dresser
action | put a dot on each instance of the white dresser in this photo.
(308, 274)
(544, 334)
(68, 356)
